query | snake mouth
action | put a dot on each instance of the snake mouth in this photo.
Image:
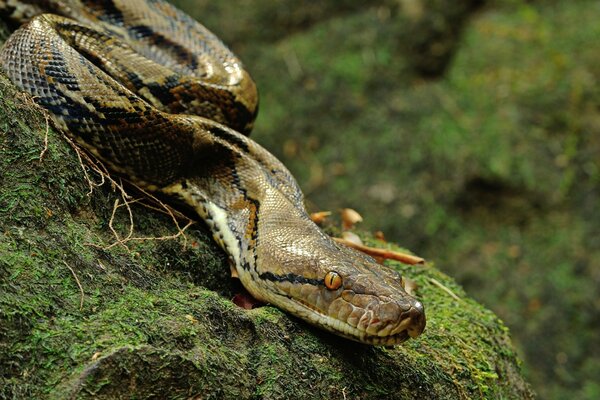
(409, 327)
(348, 331)
(395, 333)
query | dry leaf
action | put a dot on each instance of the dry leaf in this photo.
(191, 318)
(352, 237)
(380, 236)
(350, 218)
(410, 286)
(320, 216)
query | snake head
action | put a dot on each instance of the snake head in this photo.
(373, 306)
(347, 293)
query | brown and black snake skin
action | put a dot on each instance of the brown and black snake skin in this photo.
(159, 98)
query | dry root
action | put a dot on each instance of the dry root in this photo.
(379, 253)
(78, 285)
(126, 200)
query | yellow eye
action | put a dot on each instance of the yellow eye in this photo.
(333, 280)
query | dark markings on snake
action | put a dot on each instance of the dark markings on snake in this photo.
(228, 137)
(131, 117)
(293, 278)
(162, 91)
(210, 161)
(134, 79)
(253, 243)
(110, 12)
(147, 33)
(242, 114)
(70, 113)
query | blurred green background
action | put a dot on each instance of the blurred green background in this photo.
(467, 131)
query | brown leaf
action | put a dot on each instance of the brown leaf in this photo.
(350, 218)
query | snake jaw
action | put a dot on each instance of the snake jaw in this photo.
(376, 305)
(380, 323)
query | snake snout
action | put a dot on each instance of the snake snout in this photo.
(417, 319)
(406, 318)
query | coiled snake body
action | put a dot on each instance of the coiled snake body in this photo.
(161, 100)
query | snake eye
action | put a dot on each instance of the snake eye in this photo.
(333, 280)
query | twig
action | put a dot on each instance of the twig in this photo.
(383, 253)
(127, 205)
(174, 214)
(112, 228)
(98, 167)
(45, 149)
(78, 284)
(180, 232)
(164, 209)
(444, 288)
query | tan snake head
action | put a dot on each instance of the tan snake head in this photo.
(368, 307)
(336, 288)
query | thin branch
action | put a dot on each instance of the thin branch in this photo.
(112, 228)
(444, 288)
(78, 284)
(383, 253)
(130, 213)
(180, 232)
(45, 149)
(174, 214)
(96, 167)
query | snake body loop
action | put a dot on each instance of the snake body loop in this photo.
(162, 101)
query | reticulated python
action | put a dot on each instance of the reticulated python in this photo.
(161, 100)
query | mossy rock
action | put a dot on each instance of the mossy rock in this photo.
(81, 317)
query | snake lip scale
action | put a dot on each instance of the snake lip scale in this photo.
(162, 101)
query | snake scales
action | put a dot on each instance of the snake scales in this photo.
(161, 100)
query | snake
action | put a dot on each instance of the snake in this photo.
(160, 100)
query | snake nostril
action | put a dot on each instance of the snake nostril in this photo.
(418, 307)
(417, 317)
